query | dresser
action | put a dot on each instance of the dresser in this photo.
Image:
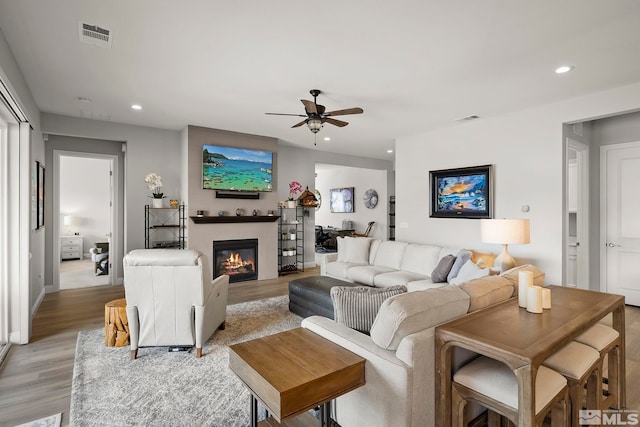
(70, 247)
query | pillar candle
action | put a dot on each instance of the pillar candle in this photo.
(546, 298)
(525, 280)
(534, 299)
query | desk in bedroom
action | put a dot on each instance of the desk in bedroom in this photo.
(523, 341)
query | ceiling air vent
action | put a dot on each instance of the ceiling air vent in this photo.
(95, 35)
(467, 118)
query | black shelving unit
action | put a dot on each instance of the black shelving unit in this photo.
(291, 240)
(392, 218)
(164, 227)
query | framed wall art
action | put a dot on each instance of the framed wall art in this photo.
(462, 193)
(341, 200)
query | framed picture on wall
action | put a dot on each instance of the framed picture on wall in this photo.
(462, 192)
(341, 200)
(40, 195)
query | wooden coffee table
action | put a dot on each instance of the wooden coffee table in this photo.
(294, 371)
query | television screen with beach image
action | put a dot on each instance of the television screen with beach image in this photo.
(236, 169)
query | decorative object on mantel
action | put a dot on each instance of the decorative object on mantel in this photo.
(308, 199)
(199, 213)
(254, 212)
(227, 219)
(504, 232)
(154, 183)
(239, 212)
(294, 188)
(370, 198)
(220, 213)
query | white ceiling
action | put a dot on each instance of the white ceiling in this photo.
(412, 65)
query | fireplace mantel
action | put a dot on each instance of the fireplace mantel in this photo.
(233, 219)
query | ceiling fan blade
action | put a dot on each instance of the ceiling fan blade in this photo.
(355, 110)
(299, 124)
(285, 114)
(310, 106)
(336, 122)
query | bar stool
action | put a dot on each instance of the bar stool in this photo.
(580, 365)
(493, 385)
(606, 341)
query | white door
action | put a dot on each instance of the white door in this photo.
(621, 216)
(577, 216)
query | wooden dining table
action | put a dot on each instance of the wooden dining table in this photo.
(523, 341)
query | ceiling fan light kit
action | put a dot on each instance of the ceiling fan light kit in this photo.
(316, 116)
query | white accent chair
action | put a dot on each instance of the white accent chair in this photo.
(171, 300)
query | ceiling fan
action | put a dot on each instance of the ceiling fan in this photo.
(316, 116)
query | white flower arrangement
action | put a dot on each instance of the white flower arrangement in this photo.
(154, 183)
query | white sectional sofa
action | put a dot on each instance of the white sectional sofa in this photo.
(383, 263)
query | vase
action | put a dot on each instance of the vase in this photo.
(157, 203)
(291, 203)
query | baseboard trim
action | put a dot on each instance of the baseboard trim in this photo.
(36, 305)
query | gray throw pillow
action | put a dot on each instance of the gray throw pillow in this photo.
(357, 307)
(462, 257)
(440, 273)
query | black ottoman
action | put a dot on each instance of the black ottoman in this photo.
(311, 295)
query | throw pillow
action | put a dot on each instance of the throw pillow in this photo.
(469, 271)
(440, 273)
(461, 258)
(357, 307)
(358, 249)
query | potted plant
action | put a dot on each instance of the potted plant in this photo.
(154, 183)
(294, 188)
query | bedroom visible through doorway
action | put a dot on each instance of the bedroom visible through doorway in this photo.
(85, 220)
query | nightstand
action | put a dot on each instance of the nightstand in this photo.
(70, 247)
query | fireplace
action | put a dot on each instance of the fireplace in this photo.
(237, 258)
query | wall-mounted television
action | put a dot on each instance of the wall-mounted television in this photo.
(236, 169)
(341, 200)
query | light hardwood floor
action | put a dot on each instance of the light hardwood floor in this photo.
(35, 380)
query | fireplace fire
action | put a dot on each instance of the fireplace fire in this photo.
(236, 258)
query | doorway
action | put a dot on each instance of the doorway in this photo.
(577, 214)
(620, 234)
(84, 213)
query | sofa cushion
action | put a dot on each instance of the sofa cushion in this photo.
(394, 278)
(487, 291)
(357, 249)
(421, 285)
(390, 254)
(412, 312)
(339, 269)
(513, 275)
(342, 249)
(172, 257)
(421, 259)
(469, 271)
(462, 256)
(356, 307)
(375, 244)
(440, 273)
(365, 273)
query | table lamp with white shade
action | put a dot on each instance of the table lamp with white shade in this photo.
(67, 220)
(504, 232)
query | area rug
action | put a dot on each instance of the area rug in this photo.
(162, 388)
(50, 421)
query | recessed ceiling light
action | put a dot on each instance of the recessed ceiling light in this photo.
(83, 99)
(564, 69)
(326, 138)
(136, 107)
(389, 151)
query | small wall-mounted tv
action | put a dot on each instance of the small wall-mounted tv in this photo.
(341, 200)
(236, 169)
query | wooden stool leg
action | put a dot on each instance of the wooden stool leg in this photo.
(594, 390)
(613, 400)
(560, 413)
(493, 419)
(458, 409)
